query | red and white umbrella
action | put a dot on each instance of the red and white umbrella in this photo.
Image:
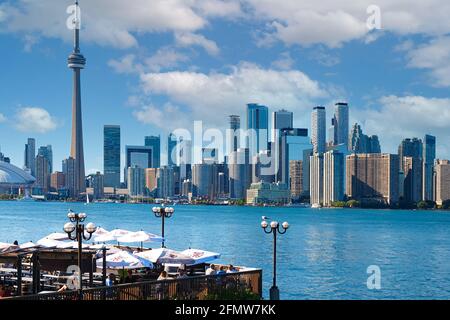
(124, 260)
(201, 256)
(112, 235)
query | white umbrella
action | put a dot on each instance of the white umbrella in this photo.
(48, 243)
(57, 236)
(28, 245)
(124, 260)
(73, 245)
(5, 247)
(100, 231)
(140, 236)
(112, 235)
(164, 255)
(201, 256)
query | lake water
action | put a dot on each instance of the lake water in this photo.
(324, 255)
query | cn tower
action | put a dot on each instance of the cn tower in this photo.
(76, 62)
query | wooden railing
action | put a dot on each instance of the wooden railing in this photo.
(240, 285)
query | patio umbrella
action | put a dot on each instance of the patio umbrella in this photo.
(28, 245)
(140, 236)
(164, 255)
(112, 235)
(201, 256)
(57, 236)
(48, 243)
(124, 260)
(98, 232)
(5, 247)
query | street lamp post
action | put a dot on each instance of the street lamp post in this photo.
(274, 228)
(75, 230)
(163, 213)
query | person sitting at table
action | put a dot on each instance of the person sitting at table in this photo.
(111, 280)
(163, 276)
(129, 277)
(182, 274)
(221, 271)
(231, 269)
(211, 270)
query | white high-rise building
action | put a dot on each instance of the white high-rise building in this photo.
(318, 129)
(333, 177)
(316, 179)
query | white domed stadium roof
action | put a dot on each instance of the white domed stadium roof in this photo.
(11, 175)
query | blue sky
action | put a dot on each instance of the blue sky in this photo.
(154, 66)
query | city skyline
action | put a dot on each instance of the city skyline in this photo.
(410, 100)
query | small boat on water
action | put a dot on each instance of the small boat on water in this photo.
(316, 206)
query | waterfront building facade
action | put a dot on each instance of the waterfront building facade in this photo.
(42, 174)
(136, 181)
(412, 184)
(296, 180)
(373, 177)
(68, 168)
(166, 183)
(272, 193)
(57, 180)
(240, 173)
(442, 181)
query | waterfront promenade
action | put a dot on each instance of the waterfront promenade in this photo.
(324, 255)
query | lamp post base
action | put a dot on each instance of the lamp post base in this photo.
(274, 293)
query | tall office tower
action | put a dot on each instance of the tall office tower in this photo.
(306, 170)
(240, 173)
(176, 181)
(333, 177)
(233, 141)
(30, 156)
(186, 188)
(442, 181)
(139, 156)
(296, 174)
(155, 143)
(412, 183)
(185, 159)
(429, 155)
(341, 126)
(373, 176)
(210, 155)
(263, 167)
(76, 62)
(166, 184)
(410, 148)
(172, 150)
(281, 119)
(97, 183)
(316, 179)
(318, 129)
(151, 180)
(42, 173)
(292, 144)
(204, 180)
(68, 168)
(57, 180)
(111, 156)
(258, 124)
(361, 143)
(332, 132)
(46, 152)
(136, 181)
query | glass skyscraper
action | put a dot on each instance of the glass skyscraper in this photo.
(155, 143)
(111, 156)
(429, 155)
(318, 129)
(257, 120)
(171, 150)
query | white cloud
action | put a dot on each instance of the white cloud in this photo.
(284, 62)
(2, 118)
(434, 57)
(334, 22)
(409, 116)
(114, 22)
(34, 120)
(191, 39)
(210, 97)
(126, 64)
